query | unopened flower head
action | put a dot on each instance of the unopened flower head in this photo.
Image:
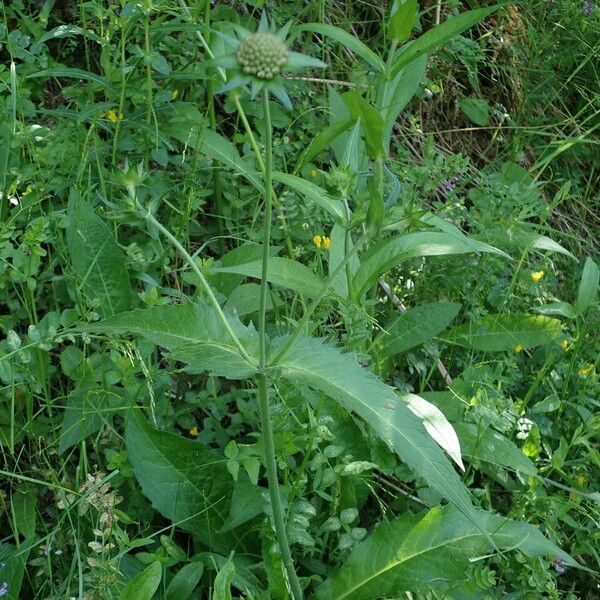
(262, 54)
(258, 58)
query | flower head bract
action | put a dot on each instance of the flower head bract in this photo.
(258, 59)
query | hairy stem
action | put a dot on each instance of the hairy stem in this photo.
(205, 285)
(262, 382)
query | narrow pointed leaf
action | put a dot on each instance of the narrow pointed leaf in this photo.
(502, 332)
(588, 288)
(347, 40)
(314, 193)
(402, 20)
(390, 252)
(436, 37)
(321, 366)
(415, 327)
(283, 272)
(322, 141)
(371, 122)
(429, 550)
(193, 333)
(436, 425)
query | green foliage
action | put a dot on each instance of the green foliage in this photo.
(274, 336)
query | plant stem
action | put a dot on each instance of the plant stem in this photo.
(205, 285)
(262, 382)
(262, 306)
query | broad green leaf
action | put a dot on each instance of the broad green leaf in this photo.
(502, 332)
(283, 272)
(273, 564)
(23, 504)
(185, 480)
(322, 141)
(321, 366)
(193, 333)
(402, 20)
(588, 287)
(188, 125)
(86, 411)
(246, 503)
(436, 425)
(71, 73)
(415, 327)
(347, 40)
(221, 149)
(97, 259)
(223, 581)
(14, 561)
(436, 37)
(390, 252)
(185, 581)
(225, 283)
(313, 193)
(245, 299)
(67, 31)
(476, 110)
(349, 148)
(429, 550)
(563, 309)
(143, 586)
(398, 92)
(488, 445)
(371, 122)
(243, 579)
(529, 240)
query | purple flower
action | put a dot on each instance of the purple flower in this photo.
(3, 589)
(558, 565)
(448, 185)
(588, 8)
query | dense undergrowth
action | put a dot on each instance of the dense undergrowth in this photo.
(311, 312)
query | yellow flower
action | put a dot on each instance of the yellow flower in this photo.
(193, 431)
(322, 241)
(313, 173)
(113, 117)
(518, 348)
(537, 275)
(564, 344)
(586, 370)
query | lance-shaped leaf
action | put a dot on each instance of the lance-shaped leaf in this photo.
(347, 40)
(502, 332)
(323, 367)
(371, 122)
(97, 259)
(283, 272)
(429, 550)
(588, 288)
(390, 252)
(313, 193)
(415, 327)
(436, 37)
(194, 335)
(186, 481)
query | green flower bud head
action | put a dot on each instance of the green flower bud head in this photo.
(257, 59)
(262, 55)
